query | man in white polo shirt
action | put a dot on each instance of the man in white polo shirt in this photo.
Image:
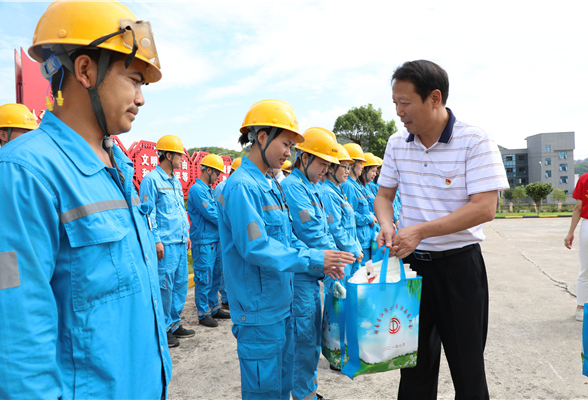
(449, 174)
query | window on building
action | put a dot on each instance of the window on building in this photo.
(563, 167)
(566, 192)
(563, 155)
(510, 181)
(548, 161)
(522, 169)
(508, 158)
(547, 148)
(522, 157)
(524, 181)
(563, 179)
(509, 169)
(548, 173)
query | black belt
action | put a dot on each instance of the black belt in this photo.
(434, 255)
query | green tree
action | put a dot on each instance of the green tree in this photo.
(559, 195)
(519, 193)
(581, 167)
(222, 151)
(538, 191)
(366, 127)
(508, 194)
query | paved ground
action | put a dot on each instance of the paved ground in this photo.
(534, 342)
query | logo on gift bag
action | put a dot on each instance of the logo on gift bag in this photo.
(394, 326)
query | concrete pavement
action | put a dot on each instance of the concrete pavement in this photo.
(533, 347)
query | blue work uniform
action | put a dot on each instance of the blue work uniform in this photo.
(80, 308)
(341, 220)
(218, 189)
(170, 227)
(397, 204)
(261, 255)
(309, 222)
(369, 195)
(363, 216)
(206, 254)
(374, 187)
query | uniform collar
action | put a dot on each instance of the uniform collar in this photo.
(447, 132)
(297, 174)
(164, 174)
(256, 174)
(204, 185)
(73, 145)
(332, 185)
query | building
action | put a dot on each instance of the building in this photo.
(549, 157)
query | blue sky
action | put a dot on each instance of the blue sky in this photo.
(516, 68)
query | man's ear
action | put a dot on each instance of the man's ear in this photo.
(85, 70)
(436, 98)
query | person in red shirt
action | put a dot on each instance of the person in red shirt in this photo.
(580, 212)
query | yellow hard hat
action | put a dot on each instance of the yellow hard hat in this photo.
(236, 163)
(170, 143)
(380, 161)
(286, 166)
(343, 155)
(77, 24)
(213, 161)
(271, 112)
(370, 160)
(355, 151)
(321, 143)
(17, 116)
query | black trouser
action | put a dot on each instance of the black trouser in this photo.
(454, 312)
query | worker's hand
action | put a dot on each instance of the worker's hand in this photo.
(159, 249)
(406, 241)
(189, 244)
(358, 259)
(568, 240)
(335, 262)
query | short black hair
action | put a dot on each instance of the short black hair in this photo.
(426, 76)
(244, 138)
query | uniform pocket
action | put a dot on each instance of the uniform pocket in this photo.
(260, 370)
(304, 329)
(102, 264)
(275, 224)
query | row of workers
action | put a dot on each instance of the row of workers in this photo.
(281, 237)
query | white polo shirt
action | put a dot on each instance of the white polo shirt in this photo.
(435, 182)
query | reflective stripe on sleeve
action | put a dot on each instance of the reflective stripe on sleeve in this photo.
(145, 197)
(272, 207)
(304, 216)
(136, 201)
(330, 219)
(88, 209)
(9, 276)
(204, 204)
(253, 231)
(221, 200)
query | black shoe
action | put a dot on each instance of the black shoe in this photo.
(319, 397)
(222, 314)
(225, 306)
(172, 340)
(182, 332)
(208, 321)
(334, 368)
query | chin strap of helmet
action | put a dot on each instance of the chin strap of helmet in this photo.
(334, 174)
(273, 132)
(299, 154)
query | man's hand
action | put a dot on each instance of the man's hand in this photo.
(406, 241)
(358, 259)
(386, 235)
(159, 249)
(335, 262)
(189, 244)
